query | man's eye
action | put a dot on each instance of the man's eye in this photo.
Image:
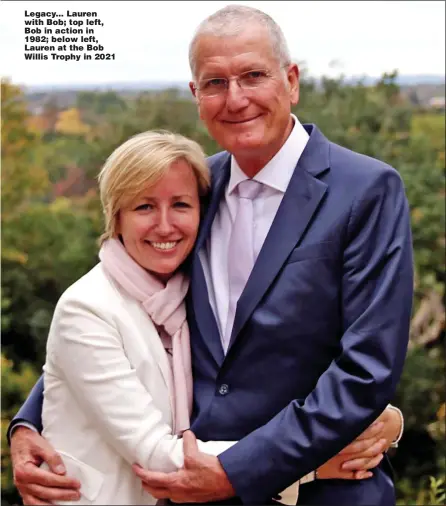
(253, 78)
(215, 83)
(255, 74)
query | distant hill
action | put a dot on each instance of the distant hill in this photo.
(131, 86)
(420, 89)
(403, 80)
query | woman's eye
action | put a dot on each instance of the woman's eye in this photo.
(143, 207)
(181, 204)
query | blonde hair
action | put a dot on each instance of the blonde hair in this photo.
(141, 162)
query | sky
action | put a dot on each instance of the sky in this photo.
(150, 38)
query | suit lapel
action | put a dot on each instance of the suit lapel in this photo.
(220, 172)
(298, 206)
(204, 316)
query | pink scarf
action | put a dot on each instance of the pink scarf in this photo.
(165, 306)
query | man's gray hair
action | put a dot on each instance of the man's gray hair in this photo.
(232, 21)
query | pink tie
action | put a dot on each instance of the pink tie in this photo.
(241, 249)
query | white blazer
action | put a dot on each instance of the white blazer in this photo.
(106, 397)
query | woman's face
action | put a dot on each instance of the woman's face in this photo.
(160, 226)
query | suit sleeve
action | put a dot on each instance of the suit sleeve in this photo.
(31, 411)
(377, 290)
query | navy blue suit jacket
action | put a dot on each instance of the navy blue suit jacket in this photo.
(320, 332)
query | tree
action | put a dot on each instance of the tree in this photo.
(378, 122)
(69, 122)
(50, 234)
(16, 383)
(41, 252)
(23, 178)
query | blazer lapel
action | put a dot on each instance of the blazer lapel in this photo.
(299, 204)
(204, 316)
(151, 335)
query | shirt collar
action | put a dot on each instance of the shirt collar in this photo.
(278, 171)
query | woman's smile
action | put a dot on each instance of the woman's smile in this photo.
(163, 246)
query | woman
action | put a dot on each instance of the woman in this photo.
(118, 386)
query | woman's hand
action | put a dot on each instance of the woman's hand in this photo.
(357, 459)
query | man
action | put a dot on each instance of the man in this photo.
(301, 288)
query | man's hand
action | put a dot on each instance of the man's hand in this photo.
(37, 486)
(202, 479)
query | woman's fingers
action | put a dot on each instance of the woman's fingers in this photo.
(372, 431)
(359, 446)
(362, 475)
(365, 447)
(361, 464)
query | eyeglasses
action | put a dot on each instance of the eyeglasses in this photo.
(251, 80)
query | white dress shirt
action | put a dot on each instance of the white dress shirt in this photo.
(275, 177)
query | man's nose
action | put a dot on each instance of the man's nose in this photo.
(236, 98)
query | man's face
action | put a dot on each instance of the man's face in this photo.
(249, 123)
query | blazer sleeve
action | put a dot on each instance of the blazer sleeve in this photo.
(86, 348)
(31, 410)
(377, 290)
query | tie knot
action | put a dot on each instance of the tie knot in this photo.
(249, 189)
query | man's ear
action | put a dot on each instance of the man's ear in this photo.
(293, 83)
(193, 89)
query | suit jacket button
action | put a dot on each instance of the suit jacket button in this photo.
(224, 389)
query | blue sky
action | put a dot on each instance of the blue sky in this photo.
(150, 38)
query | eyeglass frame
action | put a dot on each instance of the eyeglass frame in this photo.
(268, 74)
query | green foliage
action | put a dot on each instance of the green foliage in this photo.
(62, 153)
(23, 178)
(51, 220)
(431, 125)
(61, 245)
(437, 493)
(94, 106)
(16, 385)
(377, 122)
(147, 112)
(430, 493)
(420, 395)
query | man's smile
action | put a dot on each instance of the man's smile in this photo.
(240, 121)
